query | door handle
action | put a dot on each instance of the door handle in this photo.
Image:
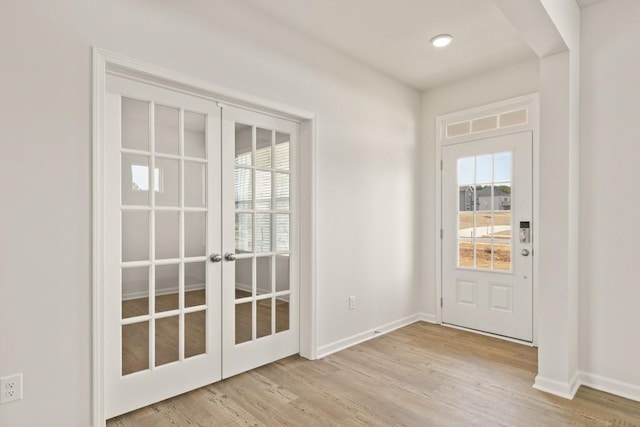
(525, 252)
(230, 256)
(215, 257)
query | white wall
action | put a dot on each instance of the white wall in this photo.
(367, 172)
(609, 199)
(508, 82)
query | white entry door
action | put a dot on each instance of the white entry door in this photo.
(487, 213)
(260, 267)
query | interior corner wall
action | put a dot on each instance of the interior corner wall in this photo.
(497, 85)
(367, 165)
(610, 102)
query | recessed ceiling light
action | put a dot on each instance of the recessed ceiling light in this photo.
(441, 40)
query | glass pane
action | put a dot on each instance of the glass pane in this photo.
(135, 347)
(483, 226)
(263, 318)
(244, 322)
(282, 273)
(502, 257)
(484, 169)
(263, 190)
(263, 275)
(483, 255)
(135, 292)
(167, 131)
(195, 284)
(263, 148)
(243, 145)
(195, 233)
(466, 171)
(195, 185)
(167, 340)
(135, 236)
(244, 277)
(195, 333)
(502, 167)
(263, 233)
(467, 197)
(167, 235)
(195, 141)
(282, 232)
(282, 151)
(167, 287)
(135, 180)
(135, 124)
(483, 198)
(465, 253)
(502, 226)
(243, 186)
(167, 182)
(282, 313)
(282, 191)
(502, 197)
(465, 225)
(244, 233)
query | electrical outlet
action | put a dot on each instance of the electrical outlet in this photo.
(10, 388)
(352, 302)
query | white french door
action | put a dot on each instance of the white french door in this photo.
(260, 287)
(487, 209)
(200, 264)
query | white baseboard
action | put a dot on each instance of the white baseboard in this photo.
(558, 388)
(609, 385)
(429, 318)
(345, 343)
(581, 378)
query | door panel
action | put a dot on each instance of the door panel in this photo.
(487, 278)
(163, 216)
(260, 293)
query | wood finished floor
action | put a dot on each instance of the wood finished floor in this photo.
(420, 375)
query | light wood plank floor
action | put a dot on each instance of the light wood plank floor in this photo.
(420, 375)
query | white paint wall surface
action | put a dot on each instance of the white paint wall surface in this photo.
(610, 102)
(367, 172)
(509, 82)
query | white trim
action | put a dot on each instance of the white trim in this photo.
(345, 343)
(97, 295)
(105, 61)
(532, 103)
(487, 334)
(566, 390)
(610, 385)
(428, 318)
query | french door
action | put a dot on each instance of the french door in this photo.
(487, 208)
(199, 243)
(260, 292)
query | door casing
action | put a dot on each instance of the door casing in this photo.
(530, 103)
(105, 62)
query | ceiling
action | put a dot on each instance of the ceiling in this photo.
(585, 3)
(393, 35)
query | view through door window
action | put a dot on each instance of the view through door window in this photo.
(484, 212)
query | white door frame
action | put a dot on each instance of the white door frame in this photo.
(463, 131)
(105, 62)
